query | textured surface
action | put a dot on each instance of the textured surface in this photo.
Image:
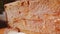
(32, 16)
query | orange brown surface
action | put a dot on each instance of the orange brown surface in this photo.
(42, 16)
(2, 31)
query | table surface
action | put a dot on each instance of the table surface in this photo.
(2, 30)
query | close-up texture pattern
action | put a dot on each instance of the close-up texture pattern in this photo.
(34, 16)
